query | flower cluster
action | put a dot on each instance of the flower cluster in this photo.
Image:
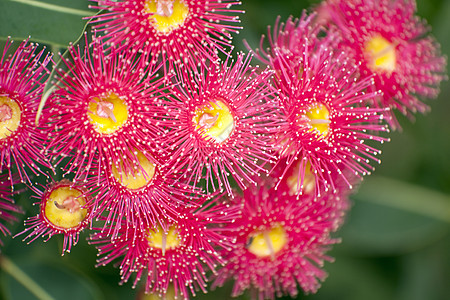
(192, 166)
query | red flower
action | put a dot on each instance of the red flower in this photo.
(219, 121)
(98, 115)
(65, 208)
(393, 44)
(187, 32)
(21, 85)
(139, 194)
(326, 122)
(281, 242)
(181, 254)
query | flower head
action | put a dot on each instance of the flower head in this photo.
(180, 252)
(220, 120)
(323, 103)
(21, 83)
(178, 31)
(97, 115)
(281, 242)
(139, 194)
(393, 44)
(65, 208)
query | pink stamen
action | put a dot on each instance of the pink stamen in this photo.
(5, 113)
(207, 121)
(106, 110)
(164, 8)
(70, 203)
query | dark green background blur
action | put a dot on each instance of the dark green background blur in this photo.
(395, 243)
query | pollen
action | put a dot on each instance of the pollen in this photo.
(214, 121)
(10, 115)
(107, 114)
(160, 239)
(381, 54)
(64, 207)
(268, 242)
(166, 15)
(318, 118)
(295, 183)
(135, 175)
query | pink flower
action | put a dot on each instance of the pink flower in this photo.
(21, 85)
(281, 242)
(326, 122)
(219, 121)
(65, 208)
(139, 194)
(290, 179)
(187, 32)
(98, 114)
(180, 253)
(393, 44)
(8, 208)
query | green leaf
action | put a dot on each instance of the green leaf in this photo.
(57, 282)
(49, 87)
(391, 217)
(405, 196)
(47, 21)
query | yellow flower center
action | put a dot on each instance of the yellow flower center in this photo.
(107, 114)
(10, 115)
(169, 295)
(166, 15)
(294, 181)
(158, 238)
(64, 207)
(319, 119)
(381, 54)
(136, 176)
(214, 121)
(268, 242)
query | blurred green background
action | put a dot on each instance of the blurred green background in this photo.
(395, 243)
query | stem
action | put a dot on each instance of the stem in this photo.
(12, 269)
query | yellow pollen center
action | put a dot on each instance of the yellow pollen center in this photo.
(157, 238)
(319, 119)
(214, 121)
(268, 242)
(107, 114)
(136, 175)
(63, 207)
(166, 15)
(170, 295)
(294, 181)
(381, 54)
(10, 115)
